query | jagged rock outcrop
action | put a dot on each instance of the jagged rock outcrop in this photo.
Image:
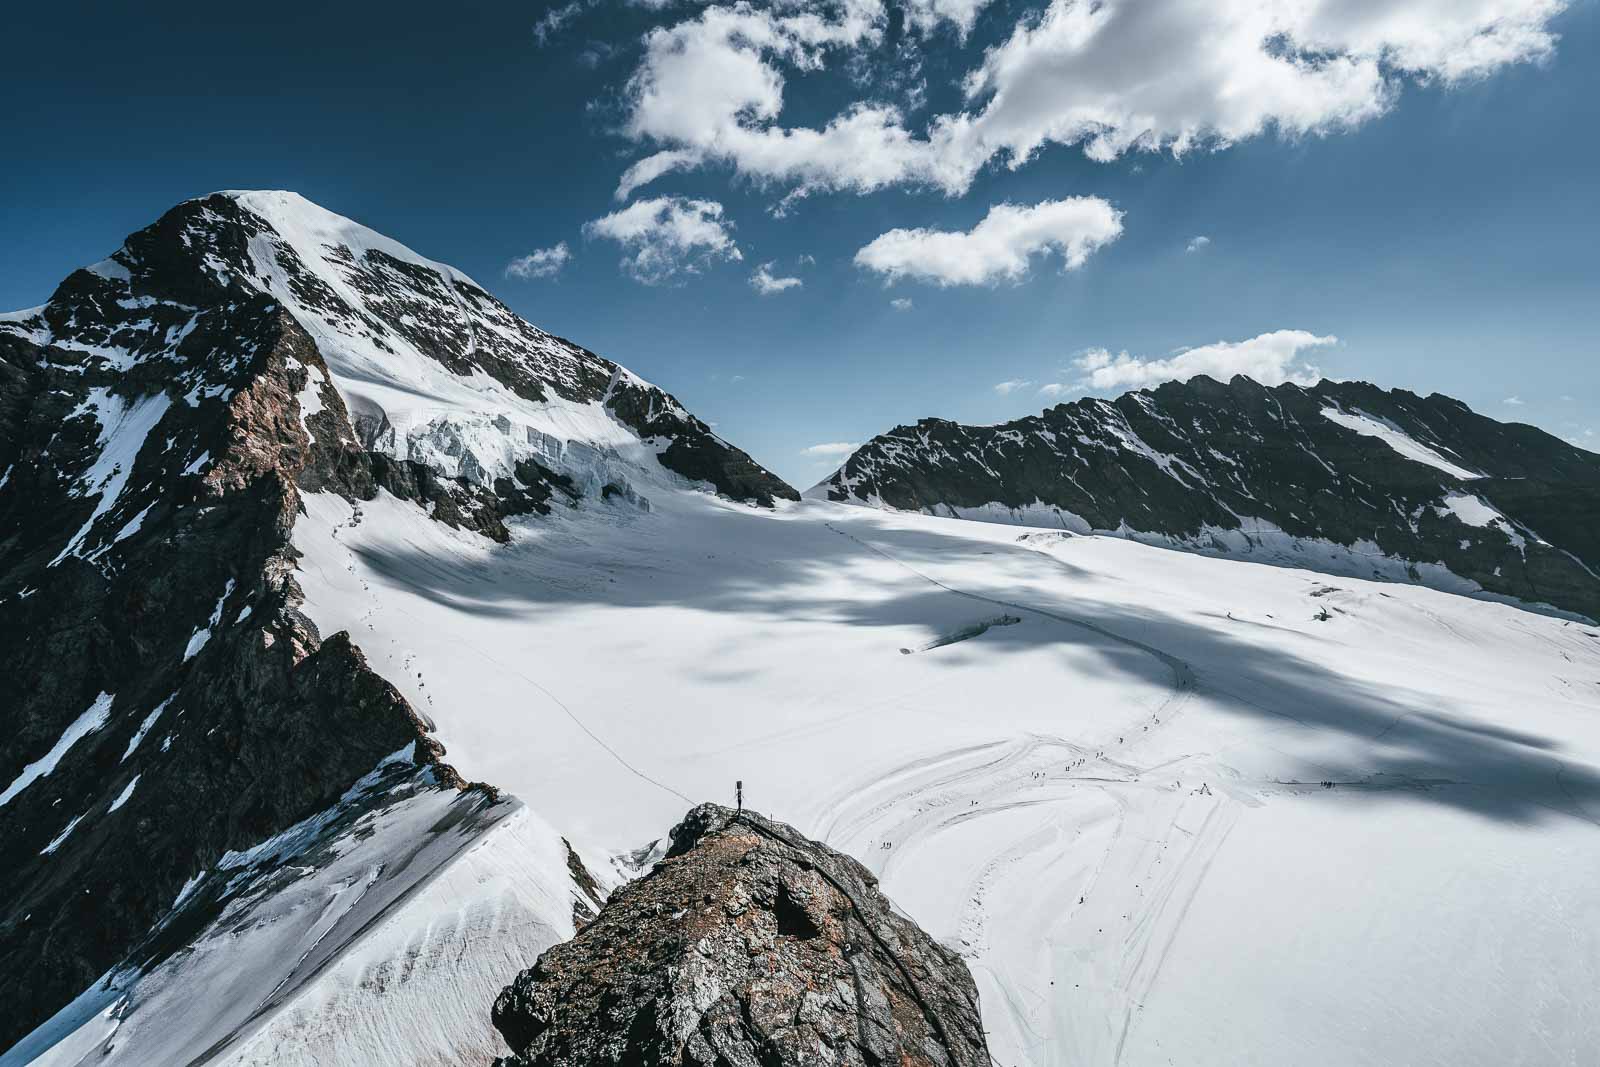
(1342, 477)
(747, 946)
(692, 449)
(161, 419)
(167, 701)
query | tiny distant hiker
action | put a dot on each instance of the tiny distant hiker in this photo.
(738, 793)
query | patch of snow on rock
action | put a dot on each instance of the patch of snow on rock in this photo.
(91, 720)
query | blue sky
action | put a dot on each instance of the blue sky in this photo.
(1415, 178)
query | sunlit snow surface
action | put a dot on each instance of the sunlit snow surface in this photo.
(1112, 808)
(376, 932)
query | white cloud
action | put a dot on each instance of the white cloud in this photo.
(540, 263)
(1000, 247)
(554, 20)
(708, 88)
(667, 236)
(650, 168)
(831, 448)
(1197, 243)
(1054, 389)
(1271, 359)
(764, 282)
(1514, 401)
(1110, 76)
(901, 303)
(596, 53)
(926, 15)
(1006, 388)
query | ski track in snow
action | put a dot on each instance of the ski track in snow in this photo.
(906, 809)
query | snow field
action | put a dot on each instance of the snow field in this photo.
(1152, 739)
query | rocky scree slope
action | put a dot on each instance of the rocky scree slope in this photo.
(1342, 476)
(747, 944)
(166, 701)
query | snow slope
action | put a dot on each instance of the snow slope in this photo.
(1112, 807)
(378, 931)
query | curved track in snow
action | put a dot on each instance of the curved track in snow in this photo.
(1064, 846)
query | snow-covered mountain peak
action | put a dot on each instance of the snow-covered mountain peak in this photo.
(166, 418)
(312, 230)
(431, 367)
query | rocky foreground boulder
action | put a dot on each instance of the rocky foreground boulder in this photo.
(747, 946)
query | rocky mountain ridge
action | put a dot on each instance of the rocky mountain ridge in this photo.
(161, 418)
(1342, 477)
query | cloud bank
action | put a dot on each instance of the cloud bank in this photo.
(1110, 77)
(1270, 358)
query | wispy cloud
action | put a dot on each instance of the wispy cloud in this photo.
(766, 283)
(901, 303)
(831, 449)
(540, 263)
(554, 20)
(667, 236)
(1198, 243)
(1514, 401)
(1006, 388)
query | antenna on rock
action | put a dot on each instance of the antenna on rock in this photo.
(738, 793)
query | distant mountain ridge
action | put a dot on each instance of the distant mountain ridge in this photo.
(1343, 477)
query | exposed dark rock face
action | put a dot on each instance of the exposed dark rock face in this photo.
(458, 503)
(747, 945)
(1238, 467)
(694, 451)
(218, 714)
(587, 895)
(165, 700)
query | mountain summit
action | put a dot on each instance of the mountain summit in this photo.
(1342, 477)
